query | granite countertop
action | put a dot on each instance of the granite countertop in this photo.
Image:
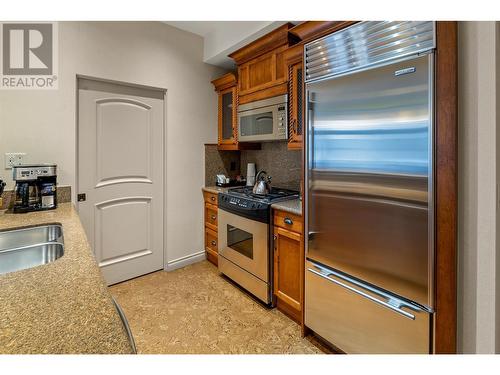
(63, 306)
(293, 206)
(216, 189)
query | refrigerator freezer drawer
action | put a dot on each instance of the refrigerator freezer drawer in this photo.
(358, 319)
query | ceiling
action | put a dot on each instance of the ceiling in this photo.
(201, 28)
(220, 38)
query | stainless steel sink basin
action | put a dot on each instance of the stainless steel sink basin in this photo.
(29, 256)
(30, 247)
(30, 236)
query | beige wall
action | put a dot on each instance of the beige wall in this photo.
(42, 123)
(478, 315)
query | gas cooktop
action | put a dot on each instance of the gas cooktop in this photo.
(275, 195)
(242, 201)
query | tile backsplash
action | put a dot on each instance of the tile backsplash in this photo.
(283, 165)
(220, 162)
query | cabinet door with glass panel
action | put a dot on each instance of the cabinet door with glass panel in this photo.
(227, 117)
(227, 138)
(225, 86)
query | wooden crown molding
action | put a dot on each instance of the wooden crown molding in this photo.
(226, 81)
(266, 43)
(294, 54)
(309, 30)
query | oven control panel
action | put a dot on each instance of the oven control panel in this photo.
(245, 207)
(243, 203)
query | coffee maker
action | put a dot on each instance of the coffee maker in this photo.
(36, 187)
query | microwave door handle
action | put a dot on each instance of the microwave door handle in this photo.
(263, 118)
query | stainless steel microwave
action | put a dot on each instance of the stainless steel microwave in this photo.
(263, 120)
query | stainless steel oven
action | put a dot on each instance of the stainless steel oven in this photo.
(244, 238)
(263, 120)
(243, 252)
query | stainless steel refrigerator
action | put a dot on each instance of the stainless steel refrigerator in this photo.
(369, 187)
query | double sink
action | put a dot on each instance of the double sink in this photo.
(30, 247)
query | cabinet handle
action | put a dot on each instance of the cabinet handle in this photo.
(212, 198)
(275, 237)
(288, 221)
(213, 243)
(213, 217)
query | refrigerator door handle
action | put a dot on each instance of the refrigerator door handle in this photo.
(392, 303)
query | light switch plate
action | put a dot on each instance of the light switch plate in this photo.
(14, 158)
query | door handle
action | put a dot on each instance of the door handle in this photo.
(263, 118)
(391, 303)
(311, 235)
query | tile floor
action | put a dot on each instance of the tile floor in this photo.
(195, 310)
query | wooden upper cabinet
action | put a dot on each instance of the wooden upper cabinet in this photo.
(293, 65)
(261, 70)
(227, 139)
(261, 73)
(227, 125)
(227, 117)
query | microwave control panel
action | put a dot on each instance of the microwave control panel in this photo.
(282, 121)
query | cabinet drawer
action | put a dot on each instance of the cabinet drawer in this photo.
(211, 216)
(210, 197)
(288, 221)
(210, 240)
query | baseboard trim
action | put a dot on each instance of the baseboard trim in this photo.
(184, 261)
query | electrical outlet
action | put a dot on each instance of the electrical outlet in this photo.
(13, 158)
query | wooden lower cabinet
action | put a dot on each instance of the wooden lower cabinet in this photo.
(211, 245)
(211, 226)
(288, 271)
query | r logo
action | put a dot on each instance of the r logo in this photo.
(27, 49)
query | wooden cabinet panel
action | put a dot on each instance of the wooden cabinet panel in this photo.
(211, 240)
(262, 72)
(296, 102)
(211, 216)
(295, 106)
(210, 197)
(288, 221)
(211, 245)
(288, 272)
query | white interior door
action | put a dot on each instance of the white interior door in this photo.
(120, 170)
